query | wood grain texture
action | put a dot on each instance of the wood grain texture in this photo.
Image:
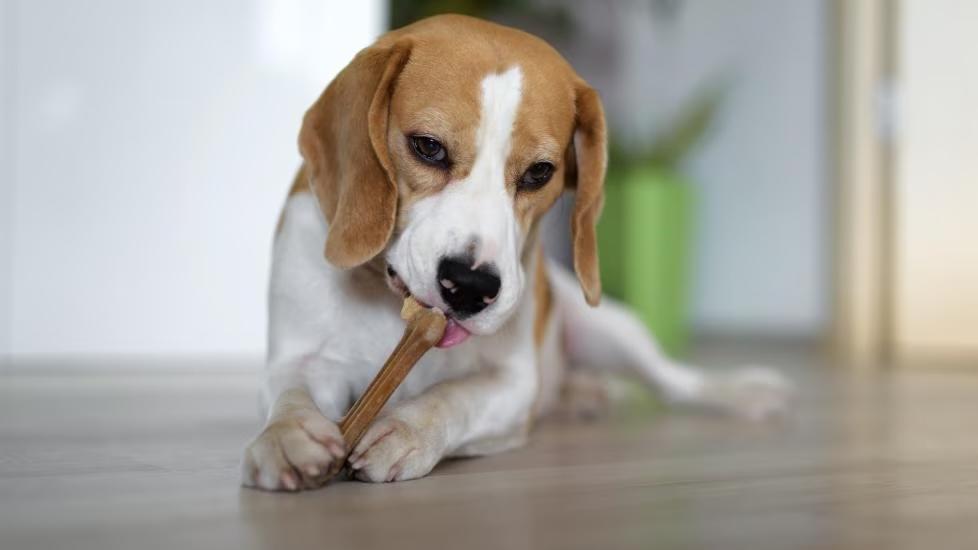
(111, 460)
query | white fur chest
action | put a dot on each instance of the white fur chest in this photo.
(331, 329)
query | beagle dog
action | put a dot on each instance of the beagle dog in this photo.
(428, 164)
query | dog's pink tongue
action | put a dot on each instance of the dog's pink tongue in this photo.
(454, 335)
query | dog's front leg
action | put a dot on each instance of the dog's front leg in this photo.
(480, 413)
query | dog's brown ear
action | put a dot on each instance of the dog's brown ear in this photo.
(344, 143)
(589, 159)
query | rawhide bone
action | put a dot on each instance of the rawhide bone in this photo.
(425, 327)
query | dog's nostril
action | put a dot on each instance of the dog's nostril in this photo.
(466, 290)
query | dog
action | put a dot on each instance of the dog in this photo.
(428, 163)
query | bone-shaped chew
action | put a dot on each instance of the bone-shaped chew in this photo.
(425, 327)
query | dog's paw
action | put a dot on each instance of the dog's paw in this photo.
(392, 450)
(294, 452)
(754, 393)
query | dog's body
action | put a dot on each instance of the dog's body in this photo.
(429, 162)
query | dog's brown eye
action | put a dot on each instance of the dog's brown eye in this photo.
(536, 176)
(429, 150)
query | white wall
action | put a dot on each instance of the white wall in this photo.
(151, 145)
(762, 261)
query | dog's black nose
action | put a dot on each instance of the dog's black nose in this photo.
(467, 291)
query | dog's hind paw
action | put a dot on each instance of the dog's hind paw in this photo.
(753, 393)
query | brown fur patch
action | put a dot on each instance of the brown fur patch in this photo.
(543, 298)
(591, 152)
(300, 184)
(344, 143)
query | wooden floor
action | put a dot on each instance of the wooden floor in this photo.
(101, 460)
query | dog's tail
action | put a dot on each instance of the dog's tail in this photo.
(610, 337)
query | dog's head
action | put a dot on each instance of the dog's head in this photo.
(441, 147)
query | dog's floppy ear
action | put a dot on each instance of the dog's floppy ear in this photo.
(344, 143)
(588, 156)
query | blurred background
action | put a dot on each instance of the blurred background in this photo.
(799, 171)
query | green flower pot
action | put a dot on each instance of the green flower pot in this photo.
(644, 239)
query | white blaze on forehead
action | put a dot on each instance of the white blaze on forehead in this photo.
(501, 96)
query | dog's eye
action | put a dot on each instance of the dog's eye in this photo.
(536, 176)
(429, 150)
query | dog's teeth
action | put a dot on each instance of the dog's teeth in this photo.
(447, 284)
(453, 290)
(487, 300)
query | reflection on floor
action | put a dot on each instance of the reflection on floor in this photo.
(148, 460)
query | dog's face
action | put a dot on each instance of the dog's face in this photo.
(479, 156)
(452, 146)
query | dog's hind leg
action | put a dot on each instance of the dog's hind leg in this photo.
(610, 337)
